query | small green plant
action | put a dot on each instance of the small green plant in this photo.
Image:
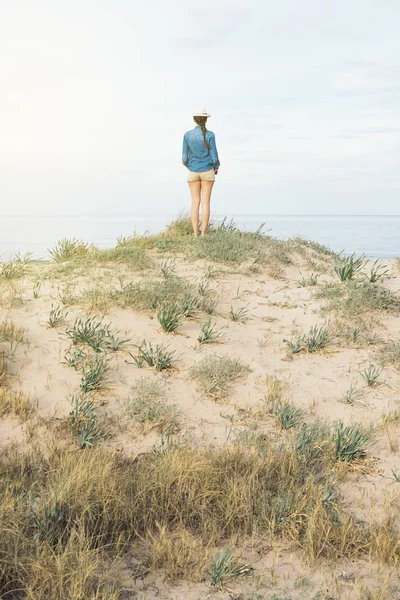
(287, 414)
(14, 268)
(189, 306)
(114, 343)
(224, 567)
(311, 438)
(347, 267)
(351, 441)
(84, 422)
(66, 295)
(352, 394)
(378, 273)
(317, 338)
(168, 268)
(209, 305)
(240, 314)
(396, 476)
(295, 344)
(210, 272)
(208, 334)
(93, 371)
(157, 356)
(57, 316)
(371, 375)
(74, 358)
(203, 286)
(91, 331)
(53, 524)
(229, 226)
(312, 280)
(67, 249)
(36, 289)
(169, 317)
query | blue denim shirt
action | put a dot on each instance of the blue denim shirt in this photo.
(195, 155)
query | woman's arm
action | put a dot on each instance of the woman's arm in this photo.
(185, 152)
(214, 152)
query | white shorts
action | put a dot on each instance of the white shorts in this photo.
(204, 176)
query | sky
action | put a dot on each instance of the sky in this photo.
(95, 96)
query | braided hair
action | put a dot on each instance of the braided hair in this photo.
(201, 121)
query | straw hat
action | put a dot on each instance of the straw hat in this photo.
(202, 112)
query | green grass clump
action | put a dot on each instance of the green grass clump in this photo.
(89, 330)
(351, 441)
(316, 339)
(149, 295)
(57, 316)
(215, 374)
(313, 439)
(316, 246)
(225, 243)
(240, 314)
(390, 355)
(168, 268)
(287, 414)
(179, 227)
(377, 273)
(158, 356)
(52, 524)
(15, 268)
(224, 568)
(96, 334)
(65, 250)
(352, 394)
(311, 281)
(92, 373)
(371, 374)
(208, 334)
(84, 422)
(190, 305)
(75, 358)
(355, 298)
(169, 317)
(148, 407)
(347, 267)
(135, 258)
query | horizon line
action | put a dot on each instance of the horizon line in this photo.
(126, 215)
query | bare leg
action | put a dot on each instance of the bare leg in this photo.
(195, 192)
(206, 189)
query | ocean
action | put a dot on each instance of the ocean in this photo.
(377, 236)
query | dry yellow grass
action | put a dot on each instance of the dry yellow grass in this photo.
(63, 512)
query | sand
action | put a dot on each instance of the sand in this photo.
(317, 382)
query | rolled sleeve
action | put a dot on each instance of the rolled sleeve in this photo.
(214, 152)
(185, 152)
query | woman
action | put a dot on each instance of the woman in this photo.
(200, 156)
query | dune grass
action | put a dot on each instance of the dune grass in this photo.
(148, 407)
(215, 374)
(65, 513)
(355, 298)
(389, 354)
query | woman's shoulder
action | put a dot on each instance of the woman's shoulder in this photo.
(212, 134)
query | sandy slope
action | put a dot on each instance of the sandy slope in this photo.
(317, 382)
